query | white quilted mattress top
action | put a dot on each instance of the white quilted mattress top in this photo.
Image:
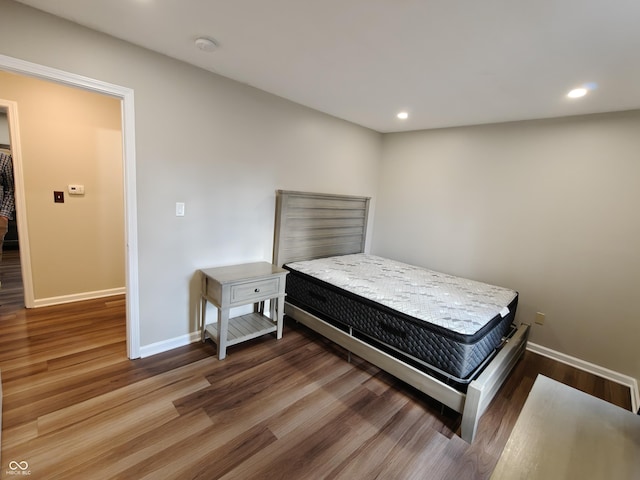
(461, 305)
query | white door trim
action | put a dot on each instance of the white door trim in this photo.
(129, 158)
(18, 179)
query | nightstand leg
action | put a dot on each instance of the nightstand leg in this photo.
(203, 317)
(259, 307)
(223, 328)
(279, 315)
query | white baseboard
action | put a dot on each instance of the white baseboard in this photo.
(620, 378)
(78, 297)
(165, 345)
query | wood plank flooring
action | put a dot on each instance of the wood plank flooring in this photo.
(75, 407)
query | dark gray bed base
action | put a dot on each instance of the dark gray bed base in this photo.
(456, 358)
(312, 225)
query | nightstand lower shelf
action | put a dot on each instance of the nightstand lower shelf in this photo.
(245, 327)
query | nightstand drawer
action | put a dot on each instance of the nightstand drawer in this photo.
(250, 291)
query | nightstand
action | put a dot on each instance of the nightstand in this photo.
(238, 285)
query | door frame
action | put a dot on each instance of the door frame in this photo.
(11, 108)
(126, 97)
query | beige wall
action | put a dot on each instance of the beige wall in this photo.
(70, 136)
(549, 208)
(221, 147)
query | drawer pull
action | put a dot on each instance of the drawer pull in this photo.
(257, 290)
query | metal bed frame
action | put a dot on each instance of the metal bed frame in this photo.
(315, 225)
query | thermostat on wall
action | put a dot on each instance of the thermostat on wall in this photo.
(76, 189)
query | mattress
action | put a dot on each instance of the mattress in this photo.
(447, 325)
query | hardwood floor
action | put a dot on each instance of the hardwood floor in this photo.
(11, 292)
(75, 407)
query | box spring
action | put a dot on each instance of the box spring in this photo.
(453, 357)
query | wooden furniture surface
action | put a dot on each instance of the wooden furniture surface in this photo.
(314, 225)
(235, 286)
(562, 432)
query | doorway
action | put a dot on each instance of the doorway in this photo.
(12, 291)
(125, 97)
(10, 110)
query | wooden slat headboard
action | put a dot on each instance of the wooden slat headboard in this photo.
(315, 225)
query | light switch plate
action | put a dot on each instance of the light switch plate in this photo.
(76, 189)
(179, 209)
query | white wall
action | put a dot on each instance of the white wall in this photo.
(549, 208)
(221, 147)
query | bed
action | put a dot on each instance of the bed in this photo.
(333, 288)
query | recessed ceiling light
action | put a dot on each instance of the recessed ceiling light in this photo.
(206, 44)
(577, 92)
(403, 115)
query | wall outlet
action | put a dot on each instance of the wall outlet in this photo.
(540, 318)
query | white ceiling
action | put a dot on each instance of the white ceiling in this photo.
(446, 62)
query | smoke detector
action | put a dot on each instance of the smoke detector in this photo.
(206, 44)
